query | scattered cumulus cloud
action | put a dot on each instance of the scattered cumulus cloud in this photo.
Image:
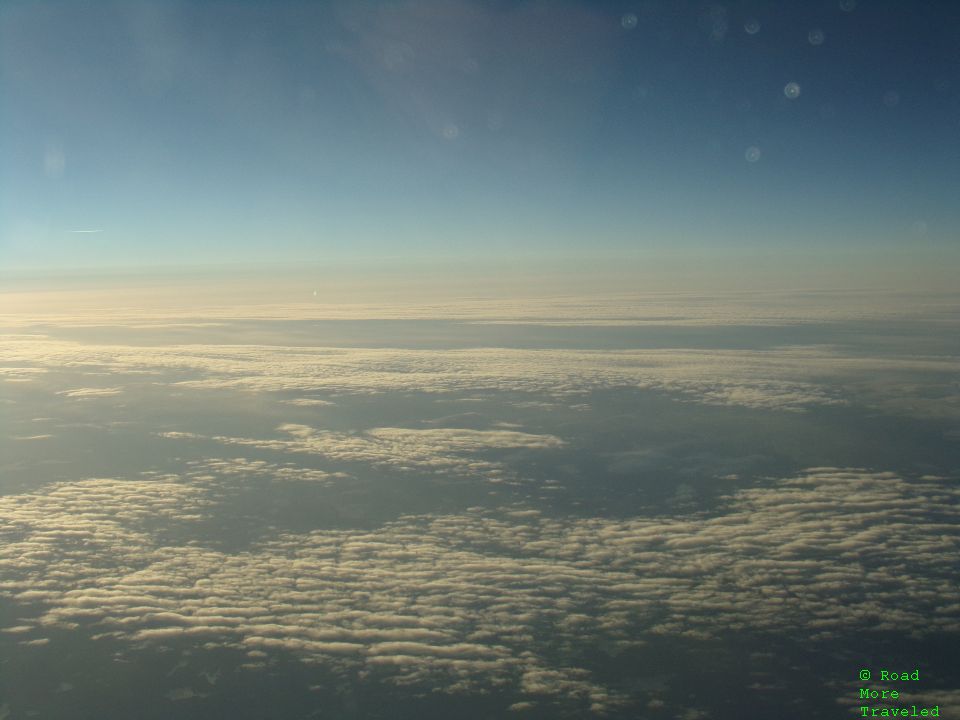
(441, 450)
(459, 601)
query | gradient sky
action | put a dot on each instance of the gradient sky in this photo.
(202, 132)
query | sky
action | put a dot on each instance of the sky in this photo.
(148, 134)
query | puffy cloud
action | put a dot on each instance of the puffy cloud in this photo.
(310, 402)
(465, 600)
(213, 468)
(435, 449)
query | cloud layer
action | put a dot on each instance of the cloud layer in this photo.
(784, 379)
(438, 450)
(466, 601)
(206, 306)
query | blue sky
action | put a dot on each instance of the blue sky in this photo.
(293, 132)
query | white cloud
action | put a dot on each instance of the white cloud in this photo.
(443, 450)
(461, 600)
(788, 378)
(783, 378)
(84, 393)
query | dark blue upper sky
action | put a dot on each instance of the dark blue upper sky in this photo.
(202, 132)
